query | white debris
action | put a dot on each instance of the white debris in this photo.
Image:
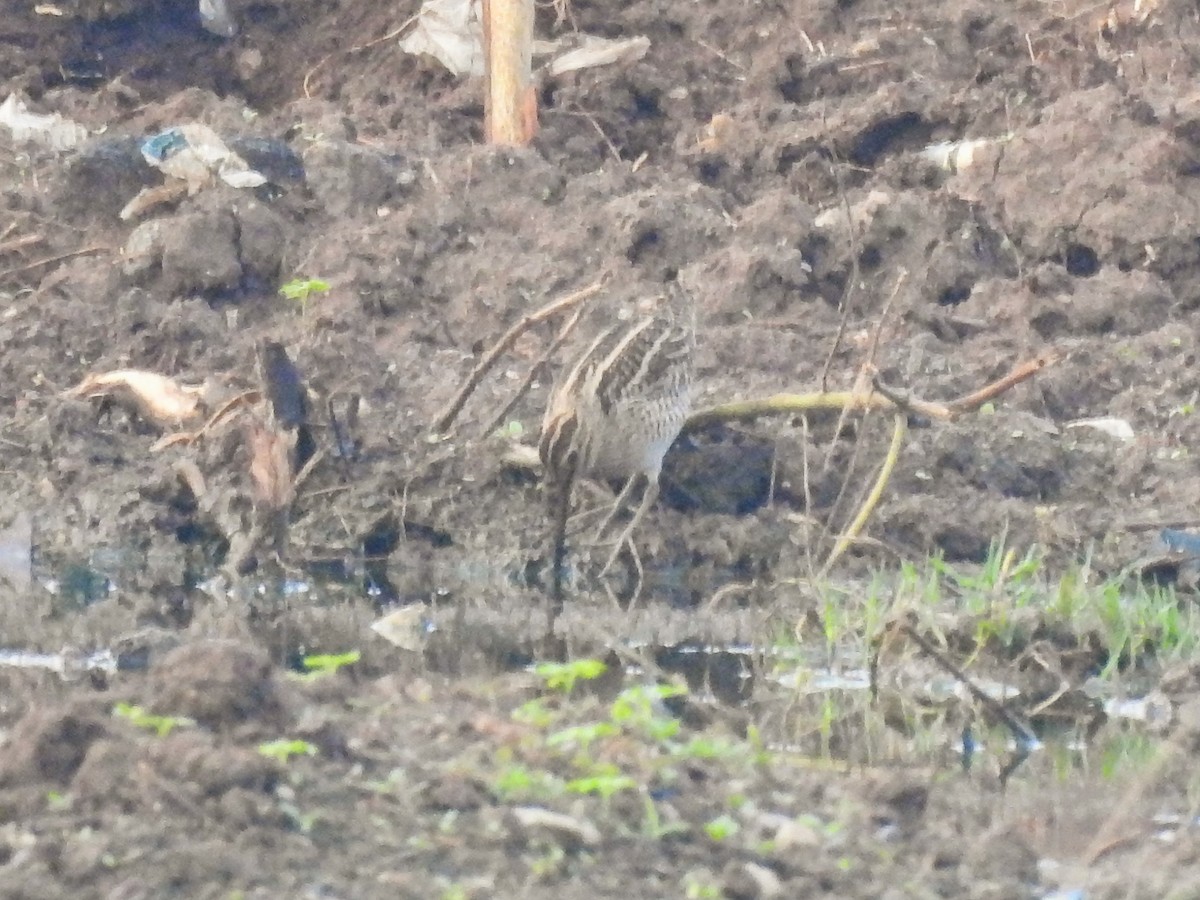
(53, 131)
(1110, 425)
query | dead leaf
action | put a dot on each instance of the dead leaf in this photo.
(156, 398)
(718, 134)
(271, 465)
(598, 51)
(405, 627)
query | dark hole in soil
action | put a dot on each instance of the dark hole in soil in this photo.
(710, 170)
(955, 294)
(1049, 323)
(870, 258)
(143, 47)
(885, 135)
(645, 105)
(789, 156)
(719, 472)
(791, 85)
(962, 545)
(645, 240)
(1081, 261)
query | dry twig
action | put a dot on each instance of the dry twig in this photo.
(19, 243)
(62, 257)
(559, 340)
(506, 341)
(394, 33)
(1021, 732)
(187, 437)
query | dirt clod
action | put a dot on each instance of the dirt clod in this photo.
(218, 683)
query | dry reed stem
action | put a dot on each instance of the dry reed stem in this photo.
(883, 398)
(859, 522)
(510, 110)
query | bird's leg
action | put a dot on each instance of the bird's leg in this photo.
(648, 499)
(599, 497)
(616, 508)
(560, 506)
(628, 601)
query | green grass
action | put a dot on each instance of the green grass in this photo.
(322, 665)
(284, 749)
(1013, 598)
(563, 677)
(604, 743)
(580, 744)
(160, 725)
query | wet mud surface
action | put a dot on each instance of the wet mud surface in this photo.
(775, 159)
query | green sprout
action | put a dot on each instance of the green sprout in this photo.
(696, 889)
(603, 785)
(320, 665)
(519, 782)
(721, 827)
(533, 712)
(581, 736)
(57, 801)
(639, 707)
(299, 290)
(562, 676)
(160, 725)
(284, 749)
(513, 430)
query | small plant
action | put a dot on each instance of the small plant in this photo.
(513, 430)
(563, 676)
(602, 785)
(518, 782)
(301, 821)
(298, 290)
(654, 827)
(640, 708)
(284, 749)
(535, 713)
(160, 725)
(697, 889)
(57, 801)
(721, 828)
(321, 665)
(549, 863)
(701, 747)
(581, 736)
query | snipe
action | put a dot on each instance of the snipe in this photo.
(619, 409)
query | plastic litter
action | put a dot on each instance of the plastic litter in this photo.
(451, 31)
(194, 153)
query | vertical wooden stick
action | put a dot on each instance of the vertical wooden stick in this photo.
(511, 104)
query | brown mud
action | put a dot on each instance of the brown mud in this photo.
(773, 158)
